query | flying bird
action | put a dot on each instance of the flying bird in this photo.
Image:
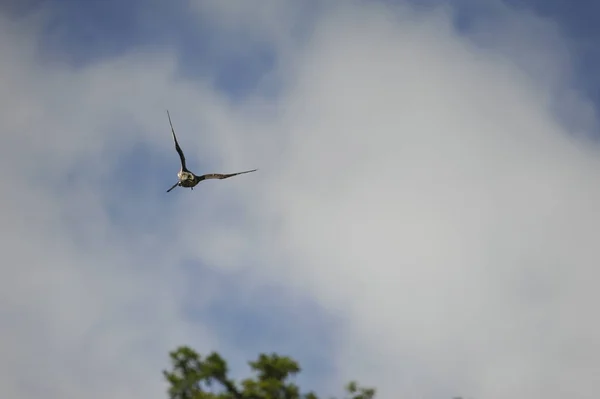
(185, 178)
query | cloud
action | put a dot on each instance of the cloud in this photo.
(90, 306)
(427, 189)
(416, 183)
(97, 277)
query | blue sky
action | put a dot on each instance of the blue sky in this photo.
(85, 31)
(82, 32)
(255, 297)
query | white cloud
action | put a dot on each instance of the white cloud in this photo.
(427, 191)
(417, 185)
(89, 308)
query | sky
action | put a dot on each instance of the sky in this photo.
(424, 218)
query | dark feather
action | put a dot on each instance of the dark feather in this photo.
(222, 176)
(174, 185)
(177, 147)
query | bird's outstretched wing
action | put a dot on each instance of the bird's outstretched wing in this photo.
(222, 176)
(177, 147)
(174, 185)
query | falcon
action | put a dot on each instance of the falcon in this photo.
(185, 178)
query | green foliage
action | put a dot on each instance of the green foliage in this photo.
(192, 377)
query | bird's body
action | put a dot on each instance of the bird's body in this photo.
(187, 179)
